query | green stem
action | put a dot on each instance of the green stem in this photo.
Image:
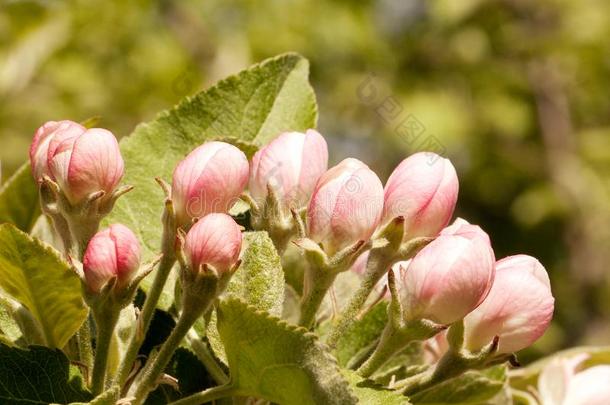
(207, 358)
(376, 268)
(318, 284)
(85, 349)
(105, 328)
(155, 369)
(152, 298)
(449, 366)
(392, 340)
(208, 395)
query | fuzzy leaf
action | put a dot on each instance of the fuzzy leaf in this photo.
(271, 359)
(474, 387)
(259, 281)
(35, 275)
(252, 107)
(370, 394)
(19, 199)
(39, 376)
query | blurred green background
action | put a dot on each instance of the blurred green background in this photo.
(514, 92)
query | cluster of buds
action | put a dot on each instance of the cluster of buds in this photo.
(78, 170)
(439, 277)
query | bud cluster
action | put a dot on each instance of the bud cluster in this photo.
(439, 277)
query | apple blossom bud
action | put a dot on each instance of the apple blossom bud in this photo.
(214, 240)
(82, 161)
(560, 382)
(210, 179)
(39, 148)
(112, 252)
(424, 192)
(518, 309)
(346, 205)
(291, 164)
(449, 277)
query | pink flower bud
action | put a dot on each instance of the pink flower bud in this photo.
(113, 252)
(449, 277)
(214, 240)
(346, 205)
(292, 164)
(82, 161)
(39, 148)
(423, 189)
(518, 309)
(210, 179)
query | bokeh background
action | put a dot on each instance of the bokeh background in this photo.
(514, 92)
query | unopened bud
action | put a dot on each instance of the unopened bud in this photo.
(424, 192)
(449, 277)
(214, 240)
(291, 164)
(210, 179)
(112, 252)
(518, 309)
(346, 206)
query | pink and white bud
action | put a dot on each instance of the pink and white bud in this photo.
(214, 240)
(423, 189)
(82, 161)
(210, 179)
(346, 205)
(560, 382)
(112, 252)
(518, 309)
(39, 148)
(449, 277)
(291, 164)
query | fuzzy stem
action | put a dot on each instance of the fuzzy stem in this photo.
(203, 354)
(449, 366)
(105, 327)
(85, 349)
(155, 369)
(314, 294)
(208, 395)
(392, 340)
(376, 268)
(152, 298)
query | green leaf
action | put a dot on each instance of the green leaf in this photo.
(473, 387)
(251, 108)
(362, 333)
(371, 394)
(525, 377)
(9, 328)
(259, 281)
(39, 376)
(19, 199)
(281, 363)
(35, 275)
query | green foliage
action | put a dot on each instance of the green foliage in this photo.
(36, 276)
(259, 281)
(281, 363)
(39, 376)
(370, 394)
(19, 199)
(471, 388)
